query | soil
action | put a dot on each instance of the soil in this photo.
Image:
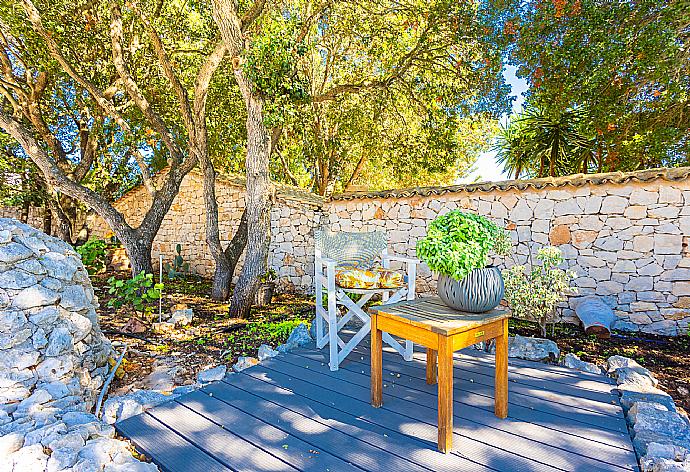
(668, 358)
(212, 339)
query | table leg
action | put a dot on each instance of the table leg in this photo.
(445, 393)
(501, 378)
(431, 366)
(376, 364)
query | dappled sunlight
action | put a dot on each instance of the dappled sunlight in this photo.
(294, 409)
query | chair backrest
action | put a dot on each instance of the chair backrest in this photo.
(356, 249)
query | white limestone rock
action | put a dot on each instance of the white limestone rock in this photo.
(212, 375)
(244, 363)
(574, 362)
(266, 352)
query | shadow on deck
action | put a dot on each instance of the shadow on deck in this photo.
(293, 413)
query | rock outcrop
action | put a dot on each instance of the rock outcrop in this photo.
(53, 360)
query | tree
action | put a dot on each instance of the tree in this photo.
(369, 47)
(538, 143)
(624, 65)
(95, 60)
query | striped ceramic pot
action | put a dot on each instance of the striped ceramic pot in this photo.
(482, 290)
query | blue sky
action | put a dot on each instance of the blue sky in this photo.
(486, 167)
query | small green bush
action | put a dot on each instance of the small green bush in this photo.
(534, 294)
(457, 243)
(93, 255)
(137, 292)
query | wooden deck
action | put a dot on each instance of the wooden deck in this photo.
(293, 413)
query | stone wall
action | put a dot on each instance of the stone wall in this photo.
(293, 218)
(626, 237)
(53, 360)
(35, 215)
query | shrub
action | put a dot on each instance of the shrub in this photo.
(93, 255)
(137, 292)
(457, 243)
(534, 294)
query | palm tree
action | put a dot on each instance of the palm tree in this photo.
(541, 143)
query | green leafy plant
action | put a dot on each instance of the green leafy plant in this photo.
(457, 243)
(137, 292)
(179, 268)
(535, 293)
(93, 255)
(269, 276)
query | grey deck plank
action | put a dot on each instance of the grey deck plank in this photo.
(605, 404)
(555, 409)
(525, 367)
(168, 450)
(513, 434)
(248, 390)
(228, 448)
(521, 369)
(473, 407)
(291, 446)
(464, 446)
(329, 441)
(293, 413)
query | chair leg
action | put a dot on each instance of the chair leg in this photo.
(409, 346)
(332, 330)
(319, 317)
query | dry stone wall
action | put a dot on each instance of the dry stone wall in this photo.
(627, 243)
(293, 218)
(625, 235)
(53, 360)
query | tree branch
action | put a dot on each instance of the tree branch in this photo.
(54, 176)
(252, 14)
(132, 88)
(164, 60)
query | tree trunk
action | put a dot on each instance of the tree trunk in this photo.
(225, 266)
(63, 228)
(257, 204)
(138, 249)
(47, 219)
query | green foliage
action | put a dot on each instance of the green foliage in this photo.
(269, 276)
(624, 64)
(534, 293)
(541, 143)
(179, 268)
(263, 332)
(270, 66)
(93, 255)
(458, 242)
(137, 292)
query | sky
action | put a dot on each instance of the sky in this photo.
(487, 170)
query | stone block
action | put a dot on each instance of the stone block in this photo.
(613, 204)
(665, 212)
(635, 212)
(668, 244)
(583, 238)
(559, 235)
(643, 197)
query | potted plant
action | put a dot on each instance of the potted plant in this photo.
(267, 286)
(457, 247)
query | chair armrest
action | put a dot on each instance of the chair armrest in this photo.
(409, 260)
(327, 261)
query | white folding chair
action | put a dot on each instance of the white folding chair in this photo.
(358, 249)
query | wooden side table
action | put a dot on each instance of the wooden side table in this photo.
(442, 330)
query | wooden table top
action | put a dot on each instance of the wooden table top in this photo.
(432, 314)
